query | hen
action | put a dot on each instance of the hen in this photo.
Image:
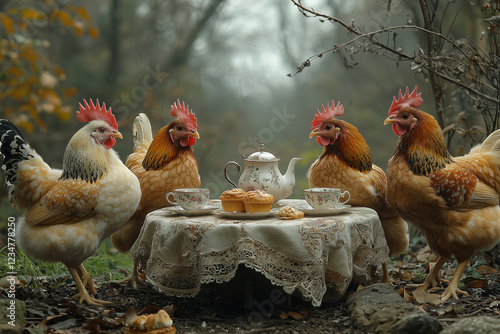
(347, 164)
(70, 211)
(453, 201)
(162, 164)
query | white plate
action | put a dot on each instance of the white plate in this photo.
(308, 210)
(195, 212)
(246, 215)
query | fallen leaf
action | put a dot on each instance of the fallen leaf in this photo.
(495, 303)
(484, 270)
(301, 315)
(477, 284)
(406, 275)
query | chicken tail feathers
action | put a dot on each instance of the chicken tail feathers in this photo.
(14, 149)
(141, 129)
(491, 143)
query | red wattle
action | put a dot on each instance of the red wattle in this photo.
(323, 141)
(398, 130)
(109, 143)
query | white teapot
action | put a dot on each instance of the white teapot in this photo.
(262, 172)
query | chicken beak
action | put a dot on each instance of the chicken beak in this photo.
(117, 134)
(314, 134)
(319, 133)
(389, 120)
(195, 135)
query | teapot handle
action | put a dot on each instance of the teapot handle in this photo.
(237, 171)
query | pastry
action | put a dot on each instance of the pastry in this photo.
(159, 323)
(258, 201)
(289, 212)
(232, 200)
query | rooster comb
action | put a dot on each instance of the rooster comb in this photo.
(330, 111)
(91, 112)
(408, 100)
(181, 111)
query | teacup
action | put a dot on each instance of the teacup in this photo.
(325, 198)
(189, 198)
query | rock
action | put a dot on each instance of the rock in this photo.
(417, 323)
(474, 325)
(378, 308)
(12, 316)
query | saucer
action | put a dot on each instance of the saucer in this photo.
(246, 215)
(308, 210)
(194, 212)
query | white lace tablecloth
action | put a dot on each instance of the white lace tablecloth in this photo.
(306, 255)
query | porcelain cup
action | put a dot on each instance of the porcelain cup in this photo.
(189, 198)
(326, 198)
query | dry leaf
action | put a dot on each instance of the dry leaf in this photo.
(477, 284)
(495, 303)
(484, 270)
(406, 275)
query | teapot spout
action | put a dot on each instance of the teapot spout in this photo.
(289, 176)
(291, 167)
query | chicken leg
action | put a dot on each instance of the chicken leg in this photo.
(135, 278)
(452, 289)
(432, 279)
(83, 293)
(87, 280)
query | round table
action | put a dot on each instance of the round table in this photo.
(307, 255)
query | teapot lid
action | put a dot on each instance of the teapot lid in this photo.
(262, 156)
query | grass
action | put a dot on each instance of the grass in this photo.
(105, 262)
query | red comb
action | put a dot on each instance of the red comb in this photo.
(332, 111)
(412, 100)
(93, 112)
(182, 112)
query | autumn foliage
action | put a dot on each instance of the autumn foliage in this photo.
(31, 84)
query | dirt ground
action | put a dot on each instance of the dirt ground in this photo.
(241, 307)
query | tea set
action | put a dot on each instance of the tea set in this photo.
(261, 171)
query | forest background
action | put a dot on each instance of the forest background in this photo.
(251, 71)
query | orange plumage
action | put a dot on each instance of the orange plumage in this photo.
(453, 201)
(347, 164)
(70, 211)
(162, 164)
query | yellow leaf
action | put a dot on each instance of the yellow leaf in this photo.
(93, 32)
(14, 71)
(69, 92)
(81, 11)
(64, 17)
(30, 14)
(7, 22)
(29, 54)
(64, 112)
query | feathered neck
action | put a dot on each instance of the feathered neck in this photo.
(84, 159)
(162, 150)
(423, 147)
(351, 147)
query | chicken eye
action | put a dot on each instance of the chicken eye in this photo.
(101, 129)
(405, 116)
(179, 127)
(328, 127)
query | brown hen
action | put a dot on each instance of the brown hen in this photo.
(453, 201)
(162, 164)
(347, 164)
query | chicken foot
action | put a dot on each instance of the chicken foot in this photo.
(385, 274)
(432, 280)
(87, 280)
(83, 293)
(135, 278)
(452, 289)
